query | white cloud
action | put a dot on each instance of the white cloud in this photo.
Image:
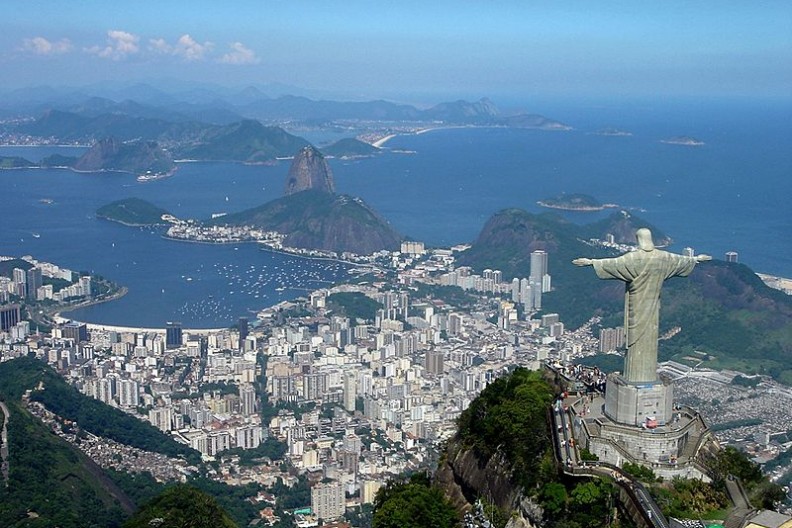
(186, 47)
(240, 54)
(191, 50)
(42, 46)
(120, 44)
(160, 46)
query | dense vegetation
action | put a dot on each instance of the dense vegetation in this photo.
(354, 305)
(132, 211)
(587, 503)
(23, 374)
(510, 416)
(761, 492)
(52, 484)
(690, 498)
(413, 503)
(181, 506)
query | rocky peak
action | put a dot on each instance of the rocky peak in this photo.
(309, 170)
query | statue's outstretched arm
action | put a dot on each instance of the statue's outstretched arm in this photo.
(583, 262)
(703, 258)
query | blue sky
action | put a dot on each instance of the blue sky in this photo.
(408, 49)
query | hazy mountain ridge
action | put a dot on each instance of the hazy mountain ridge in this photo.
(162, 115)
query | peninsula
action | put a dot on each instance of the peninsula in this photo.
(133, 212)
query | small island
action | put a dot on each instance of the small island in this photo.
(350, 148)
(687, 141)
(575, 202)
(133, 212)
(612, 132)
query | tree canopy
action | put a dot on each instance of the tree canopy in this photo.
(413, 504)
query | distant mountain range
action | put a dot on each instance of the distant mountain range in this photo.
(218, 105)
(246, 126)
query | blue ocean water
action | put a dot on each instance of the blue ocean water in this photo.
(733, 193)
(439, 187)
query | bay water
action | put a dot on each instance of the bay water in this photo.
(730, 194)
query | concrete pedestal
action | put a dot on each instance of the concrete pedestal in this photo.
(636, 403)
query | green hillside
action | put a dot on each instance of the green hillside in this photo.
(22, 374)
(51, 483)
(246, 140)
(133, 212)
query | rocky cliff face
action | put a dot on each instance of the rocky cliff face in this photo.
(309, 170)
(463, 477)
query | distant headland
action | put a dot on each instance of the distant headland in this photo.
(575, 202)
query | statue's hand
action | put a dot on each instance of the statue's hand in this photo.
(703, 258)
(582, 262)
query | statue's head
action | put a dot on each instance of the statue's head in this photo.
(644, 237)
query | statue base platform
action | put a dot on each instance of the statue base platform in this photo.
(644, 404)
(672, 449)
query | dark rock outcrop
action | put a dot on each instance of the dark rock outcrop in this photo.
(463, 477)
(309, 170)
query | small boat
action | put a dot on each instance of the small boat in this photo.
(35, 235)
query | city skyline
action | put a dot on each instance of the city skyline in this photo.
(419, 53)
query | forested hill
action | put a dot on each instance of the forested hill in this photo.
(319, 220)
(20, 375)
(722, 308)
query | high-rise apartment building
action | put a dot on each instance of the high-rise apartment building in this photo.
(173, 335)
(10, 315)
(327, 500)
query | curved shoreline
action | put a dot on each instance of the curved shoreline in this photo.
(123, 290)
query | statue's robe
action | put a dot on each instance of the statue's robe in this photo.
(644, 273)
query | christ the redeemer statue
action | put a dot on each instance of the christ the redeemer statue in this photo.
(644, 272)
